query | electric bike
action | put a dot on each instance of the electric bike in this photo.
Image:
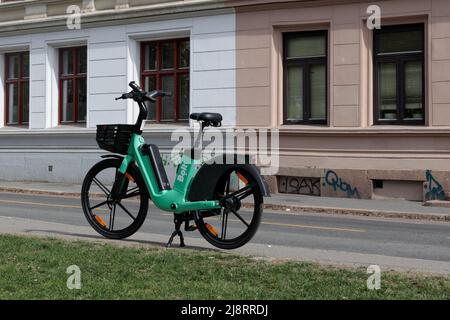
(222, 200)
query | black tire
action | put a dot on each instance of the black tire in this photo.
(252, 215)
(136, 188)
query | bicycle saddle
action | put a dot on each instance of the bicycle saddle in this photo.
(214, 119)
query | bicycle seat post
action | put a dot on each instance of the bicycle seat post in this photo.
(198, 143)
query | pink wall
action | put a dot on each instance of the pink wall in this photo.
(350, 143)
(259, 77)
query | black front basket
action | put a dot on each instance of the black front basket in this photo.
(114, 137)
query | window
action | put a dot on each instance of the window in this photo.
(165, 66)
(305, 77)
(72, 84)
(17, 88)
(399, 75)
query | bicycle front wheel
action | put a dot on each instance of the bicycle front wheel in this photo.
(114, 219)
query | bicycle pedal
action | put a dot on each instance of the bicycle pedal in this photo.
(190, 228)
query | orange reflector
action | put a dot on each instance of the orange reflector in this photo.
(211, 229)
(129, 177)
(241, 177)
(100, 221)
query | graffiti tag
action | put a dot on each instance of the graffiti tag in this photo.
(332, 179)
(305, 185)
(300, 185)
(434, 188)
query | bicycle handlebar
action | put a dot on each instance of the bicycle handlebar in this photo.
(140, 96)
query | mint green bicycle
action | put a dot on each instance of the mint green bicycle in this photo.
(224, 200)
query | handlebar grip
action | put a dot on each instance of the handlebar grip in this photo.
(134, 86)
(125, 96)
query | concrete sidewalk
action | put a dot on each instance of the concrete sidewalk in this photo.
(386, 208)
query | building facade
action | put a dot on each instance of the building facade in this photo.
(361, 112)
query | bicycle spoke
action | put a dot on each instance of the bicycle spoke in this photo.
(98, 205)
(112, 217)
(126, 211)
(242, 193)
(245, 194)
(132, 190)
(225, 212)
(240, 218)
(131, 195)
(101, 186)
(224, 224)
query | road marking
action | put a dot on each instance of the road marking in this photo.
(234, 220)
(40, 204)
(47, 205)
(313, 227)
(302, 226)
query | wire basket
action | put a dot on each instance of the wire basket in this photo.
(114, 137)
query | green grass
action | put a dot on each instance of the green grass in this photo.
(34, 268)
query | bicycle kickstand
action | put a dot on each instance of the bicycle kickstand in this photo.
(177, 232)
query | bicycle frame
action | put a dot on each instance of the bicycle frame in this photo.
(173, 200)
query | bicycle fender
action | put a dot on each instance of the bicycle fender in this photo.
(203, 184)
(115, 156)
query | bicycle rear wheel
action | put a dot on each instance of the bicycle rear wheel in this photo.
(114, 219)
(237, 221)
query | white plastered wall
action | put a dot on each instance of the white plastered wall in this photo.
(113, 61)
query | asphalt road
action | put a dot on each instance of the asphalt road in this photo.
(393, 244)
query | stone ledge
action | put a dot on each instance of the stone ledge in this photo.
(437, 203)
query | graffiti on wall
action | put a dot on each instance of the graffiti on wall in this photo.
(332, 179)
(300, 185)
(434, 190)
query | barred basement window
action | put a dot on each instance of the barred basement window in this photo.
(399, 75)
(165, 66)
(17, 88)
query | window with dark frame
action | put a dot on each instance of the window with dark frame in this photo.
(17, 88)
(165, 65)
(305, 63)
(72, 85)
(399, 86)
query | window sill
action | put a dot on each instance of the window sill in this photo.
(14, 128)
(54, 130)
(165, 127)
(71, 126)
(372, 130)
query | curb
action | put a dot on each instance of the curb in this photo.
(284, 208)
(39, 191)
